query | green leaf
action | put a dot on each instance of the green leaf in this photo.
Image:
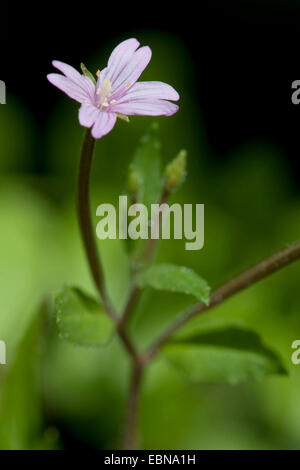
(228, 354)
(80, 319)
(175, 279)
(147, 166)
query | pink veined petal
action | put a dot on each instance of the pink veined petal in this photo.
(131, 72)
(103, 124)
(119, 58)
(145, 108)
(71, 89)
(82, 81)
(89, 86)
(150, 90)
(88, 114)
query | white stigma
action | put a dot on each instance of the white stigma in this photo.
(106, 87)
(104, 91)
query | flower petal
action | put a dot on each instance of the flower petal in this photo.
(89, 87)
(88, 114)
(80, 80)
(103, 124)
(119, 58)
(152, 90)
(67, 70)
(131, 72)
(145, 108)
(71, 89)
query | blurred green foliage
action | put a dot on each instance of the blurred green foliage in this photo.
(80, 319)
(77, 397)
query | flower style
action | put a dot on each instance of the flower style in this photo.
(116, 93)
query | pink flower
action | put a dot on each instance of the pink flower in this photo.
(116, 92)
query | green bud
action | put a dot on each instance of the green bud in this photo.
(123, 117)
(175, 171)
(87, 73)
(134, 181)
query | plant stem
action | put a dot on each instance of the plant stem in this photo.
(249, 277)
(133, 296)
(89, 242)
(130, 432)
(87, 234)
(85, 220)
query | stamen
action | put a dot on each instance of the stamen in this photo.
(127, 85)
(98, 73)
(103, 91)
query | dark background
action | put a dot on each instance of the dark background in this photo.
(246, 56)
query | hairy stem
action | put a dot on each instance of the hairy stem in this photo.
(130, 432)
(249, 277)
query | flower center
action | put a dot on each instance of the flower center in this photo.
(104, 92)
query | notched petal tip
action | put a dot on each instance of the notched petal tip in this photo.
(52, 78)
(57, 63)
(154, 107)
(146, 51)
(173, 109)
(175, 96)
(103, 124)
(150, 90)
(66, 85)
(132, 41)
(67, 70)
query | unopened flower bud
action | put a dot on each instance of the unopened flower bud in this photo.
(175, 171)
(87, 73)
(123, 117)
